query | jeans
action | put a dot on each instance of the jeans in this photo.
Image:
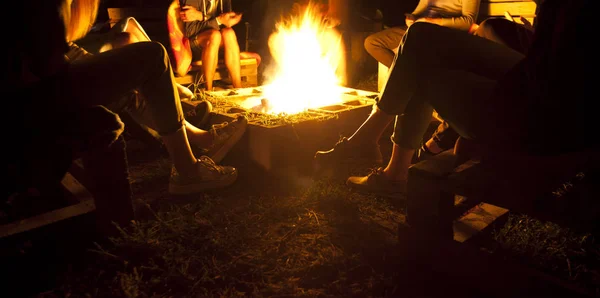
(457, 76)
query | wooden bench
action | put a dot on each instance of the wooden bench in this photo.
(105, 194)
(450, 202)
(154, 21)
(442, 188)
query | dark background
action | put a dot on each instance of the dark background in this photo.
(260, 16)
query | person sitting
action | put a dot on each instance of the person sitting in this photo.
(363, 146)
(104, 79)
(501, 30)
(128, 31)
(198, 32)
(460, 15)
(510, 103)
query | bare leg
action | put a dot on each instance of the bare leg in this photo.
(198, 137)
(400, 161)
(232, 56)
(209, 40)
(372, 129)
(180, 152)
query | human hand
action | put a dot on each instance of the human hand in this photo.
(429, 20)
(229, 19)
(526, 23)
(189, 13)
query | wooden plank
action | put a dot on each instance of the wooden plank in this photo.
(243, 62)
(476, 220)
(248, 71)
(85, 205)
(514, 8)
(76, 188)
(47, 218)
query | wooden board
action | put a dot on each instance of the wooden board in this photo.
(248, 70)
(476, 220)
(521, 8)
(85, 205)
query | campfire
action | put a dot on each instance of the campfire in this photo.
(308, 69)
(303, 105)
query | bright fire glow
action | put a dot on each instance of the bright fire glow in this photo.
(309, 56)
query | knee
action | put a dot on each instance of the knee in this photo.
(417, 35)
(370, 43)
(154, 50)
(214, 38)
(486, 27)
(122, 39)
(228, 35)
(420, 28)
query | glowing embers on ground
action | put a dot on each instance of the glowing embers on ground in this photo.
(309, 65)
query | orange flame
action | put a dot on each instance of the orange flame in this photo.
(309, 58)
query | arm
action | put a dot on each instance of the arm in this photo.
(470, 10)
(180, 44)
(421, 8)
(190, 14)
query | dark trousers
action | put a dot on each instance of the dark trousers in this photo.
(499, 30)
(453, 72)
(508, 33)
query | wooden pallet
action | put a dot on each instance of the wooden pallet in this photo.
(248, 70)
(84, 204)
(521, 184)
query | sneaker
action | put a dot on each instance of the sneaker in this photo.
(212, 176)
(225, 136)
(345, 153)
(197, 112)
(376, 183)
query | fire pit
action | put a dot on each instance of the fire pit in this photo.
(301, 108)
(287, 142)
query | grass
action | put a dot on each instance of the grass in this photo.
(315, 240)
(306, 237)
